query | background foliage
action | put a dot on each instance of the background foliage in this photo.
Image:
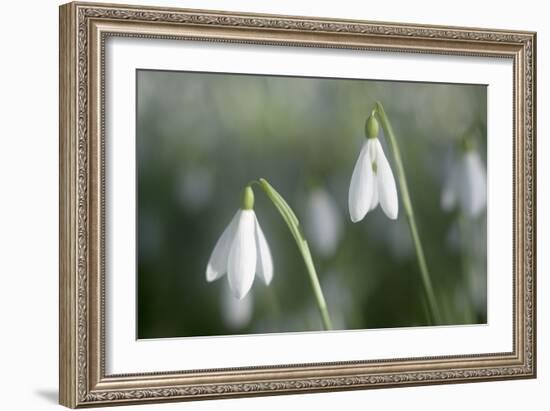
(201, 137)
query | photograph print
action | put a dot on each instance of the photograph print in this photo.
(276, 204)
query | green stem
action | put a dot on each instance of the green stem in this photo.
(314, 279)
(294, 226)
(407, 205)
(466, 264)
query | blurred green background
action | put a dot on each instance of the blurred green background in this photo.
(202, 136)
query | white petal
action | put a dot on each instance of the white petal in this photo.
(473, 195)
(236, 313)
(217, 264)
(241, 264)
(375, 199)
(450, 188)
(323, 222)
(361, 186)
(387, 192)
(264, 261)
(372, 155)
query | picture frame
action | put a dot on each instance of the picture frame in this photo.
(85, 29)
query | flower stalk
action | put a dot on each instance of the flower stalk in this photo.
(407, 205)
(294, 226)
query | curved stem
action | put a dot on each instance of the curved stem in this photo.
(294, 226)
(466, 264)
(407, 205)
(317, 290)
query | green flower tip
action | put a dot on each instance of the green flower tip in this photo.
(467, 144)
(247, 201)
(371, 127)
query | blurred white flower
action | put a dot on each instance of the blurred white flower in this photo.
(398, 239)
(236, 313)
(151, 234)
(466, 185)
(372, 182)
(241, 251)
(477, 284)
(339, 298)
(454, 237)
(195, 188)
(323, 222)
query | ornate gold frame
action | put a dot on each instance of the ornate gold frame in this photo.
(83, 30)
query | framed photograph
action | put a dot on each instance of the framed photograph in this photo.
(260, 204)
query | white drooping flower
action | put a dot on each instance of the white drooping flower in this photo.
(241, 251)
(323, 222)
(466, 185)
(372, 180)
(236, 313)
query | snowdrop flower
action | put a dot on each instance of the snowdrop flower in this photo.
(195, 188)
(323, 222)
(372, 180)
(236, 313)
(340, 298)
(398, 239)
(241, 251)
(466, 184)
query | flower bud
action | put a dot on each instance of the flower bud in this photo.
(247, 201)
(467, 144)
(372, 127)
